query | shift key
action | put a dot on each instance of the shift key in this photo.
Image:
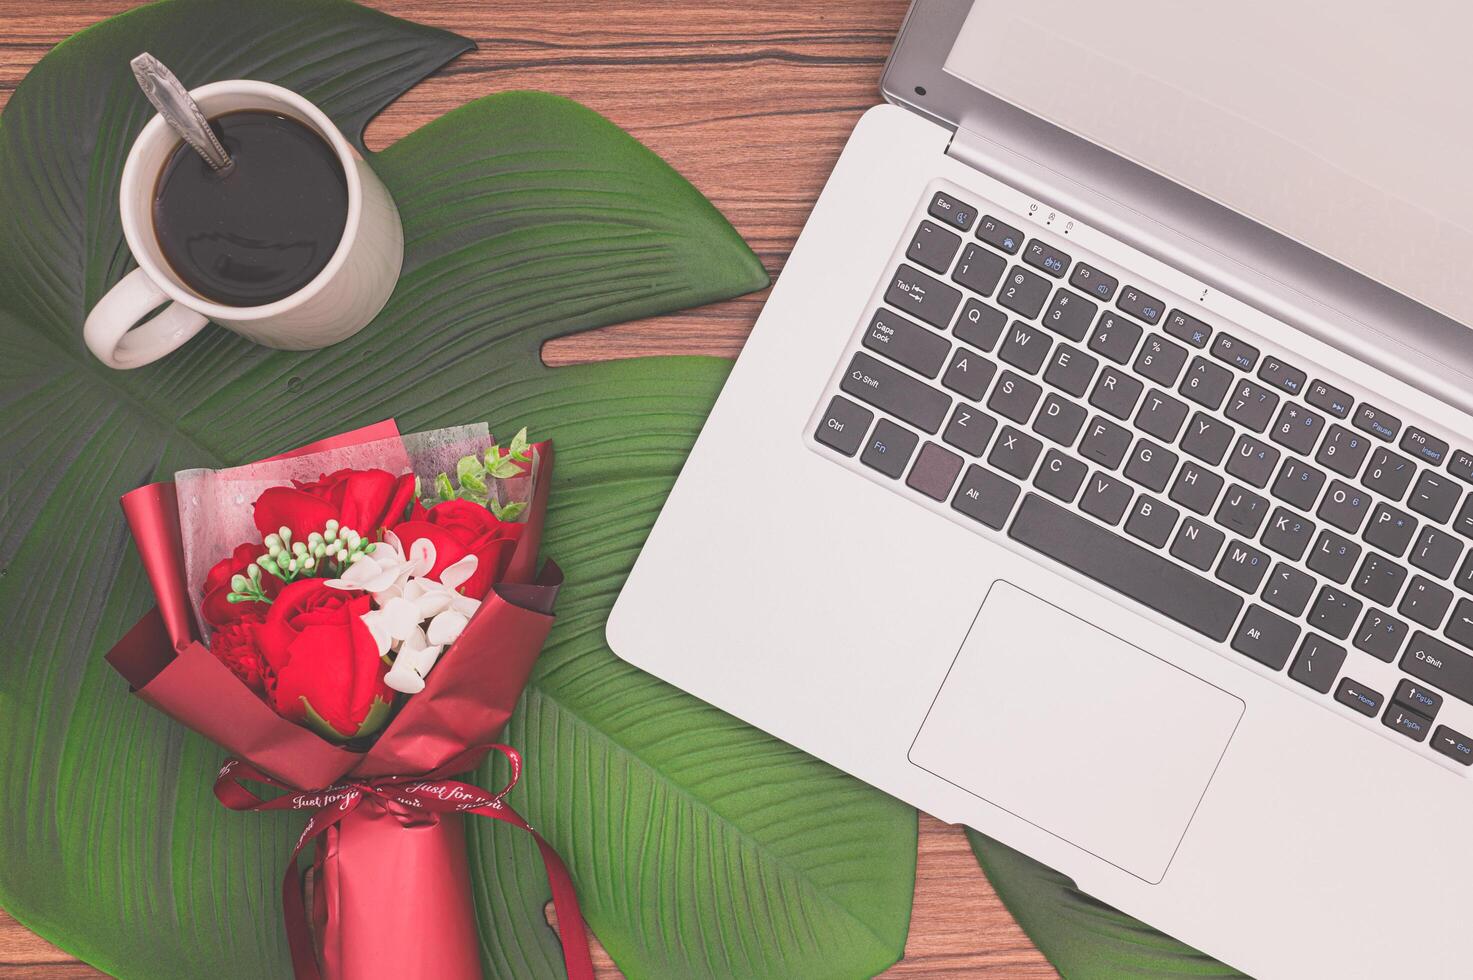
(912, 291)
(895, 393)
(1444, 667)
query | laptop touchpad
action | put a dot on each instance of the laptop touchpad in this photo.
(1076, 731)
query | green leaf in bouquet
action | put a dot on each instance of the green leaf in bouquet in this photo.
(444, 489)
(471, 476)
(700, 846)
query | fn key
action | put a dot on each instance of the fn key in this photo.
(843, 426)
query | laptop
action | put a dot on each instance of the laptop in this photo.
(1099, 474)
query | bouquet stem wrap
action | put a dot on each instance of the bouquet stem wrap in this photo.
(391, 890)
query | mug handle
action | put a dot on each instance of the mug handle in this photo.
(113, 331)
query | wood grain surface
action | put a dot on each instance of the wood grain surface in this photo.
(752, 102)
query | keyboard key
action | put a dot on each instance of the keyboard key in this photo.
(1345, 506)
(1070, 370)
(985, 497)
(1460, 465)
(1069, 314)
(1379, 579)
(1453, 745)
(1207, 438)
(1464, 580)
(1459, 628)
(923, 297)
(979, 269)
(1298, 428)
(1412, 724)
(1187, 328)
(1434, 496)
(1060, 476)
(906, 342)
(1105, 443)
(934, 471)
(1298, 483)
(980, 325)
(1151, 521)
(1105, 497)
(1266, 637)
(1130, 569)
(1334, 557)
(999, 235)
(1092, 281)
(1161, 415)
(1024, 292)
(1425, 602)
(1014, 397)
(1377, 421)
(1343, 450)
(1380, 634)
(1389, 474)
(1015, 452)
(1282, 376)
(1196, 488)
(1288, 589)
(933, 247)
(1241, 511)
(969, 430)
(1243, 567)
(1197, 544)
(1059, 420)
(1317, 663)
(1334, 612)
(889, 448)
(1330, 399)
(1252, 405)
(1230, 350)
(953, 212)
(1160, 360)
(1443, 666)
(895, 393)
(1463, 523)
(1288, 533)
(1436, 552)
(1150, 465)
(1024, 347)
(1115, 337)
(843, 426)
(1412, 695)
(1423, 446)
(1390, 529)
(1141, 305)
(1116, 393)
(1354, 694)
(1206, 383)
(1042, 255)
(1253, 461)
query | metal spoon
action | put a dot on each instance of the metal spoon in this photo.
(182, 113)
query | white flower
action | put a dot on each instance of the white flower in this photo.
(412, 663)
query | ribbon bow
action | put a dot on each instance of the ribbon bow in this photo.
(410, 799)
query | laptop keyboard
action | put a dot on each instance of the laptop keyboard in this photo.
(1049, 397)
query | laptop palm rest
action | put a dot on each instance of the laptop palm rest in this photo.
(1076, 731)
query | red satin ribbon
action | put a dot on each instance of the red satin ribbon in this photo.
(403, 796)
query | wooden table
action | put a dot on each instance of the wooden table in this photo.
(752, 102)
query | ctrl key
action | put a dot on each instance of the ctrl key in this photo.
(1353, 693)
(843, 426)
(1453, 745)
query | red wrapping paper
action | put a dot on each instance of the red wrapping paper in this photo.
(391, 889)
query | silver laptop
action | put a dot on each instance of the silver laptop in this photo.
(1098, 474)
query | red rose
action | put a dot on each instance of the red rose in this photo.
(220, 611)
(323, 666)
(458, 528)
(235, 645)
(364, 500)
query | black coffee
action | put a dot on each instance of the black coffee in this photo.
(265, 227)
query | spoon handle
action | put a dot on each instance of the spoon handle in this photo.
(180, 111)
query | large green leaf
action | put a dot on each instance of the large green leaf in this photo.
(699, 846)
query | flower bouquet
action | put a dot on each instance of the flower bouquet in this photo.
(353, 622)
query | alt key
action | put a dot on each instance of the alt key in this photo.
(843, 426)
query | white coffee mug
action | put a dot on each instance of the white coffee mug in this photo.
(342, 299)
